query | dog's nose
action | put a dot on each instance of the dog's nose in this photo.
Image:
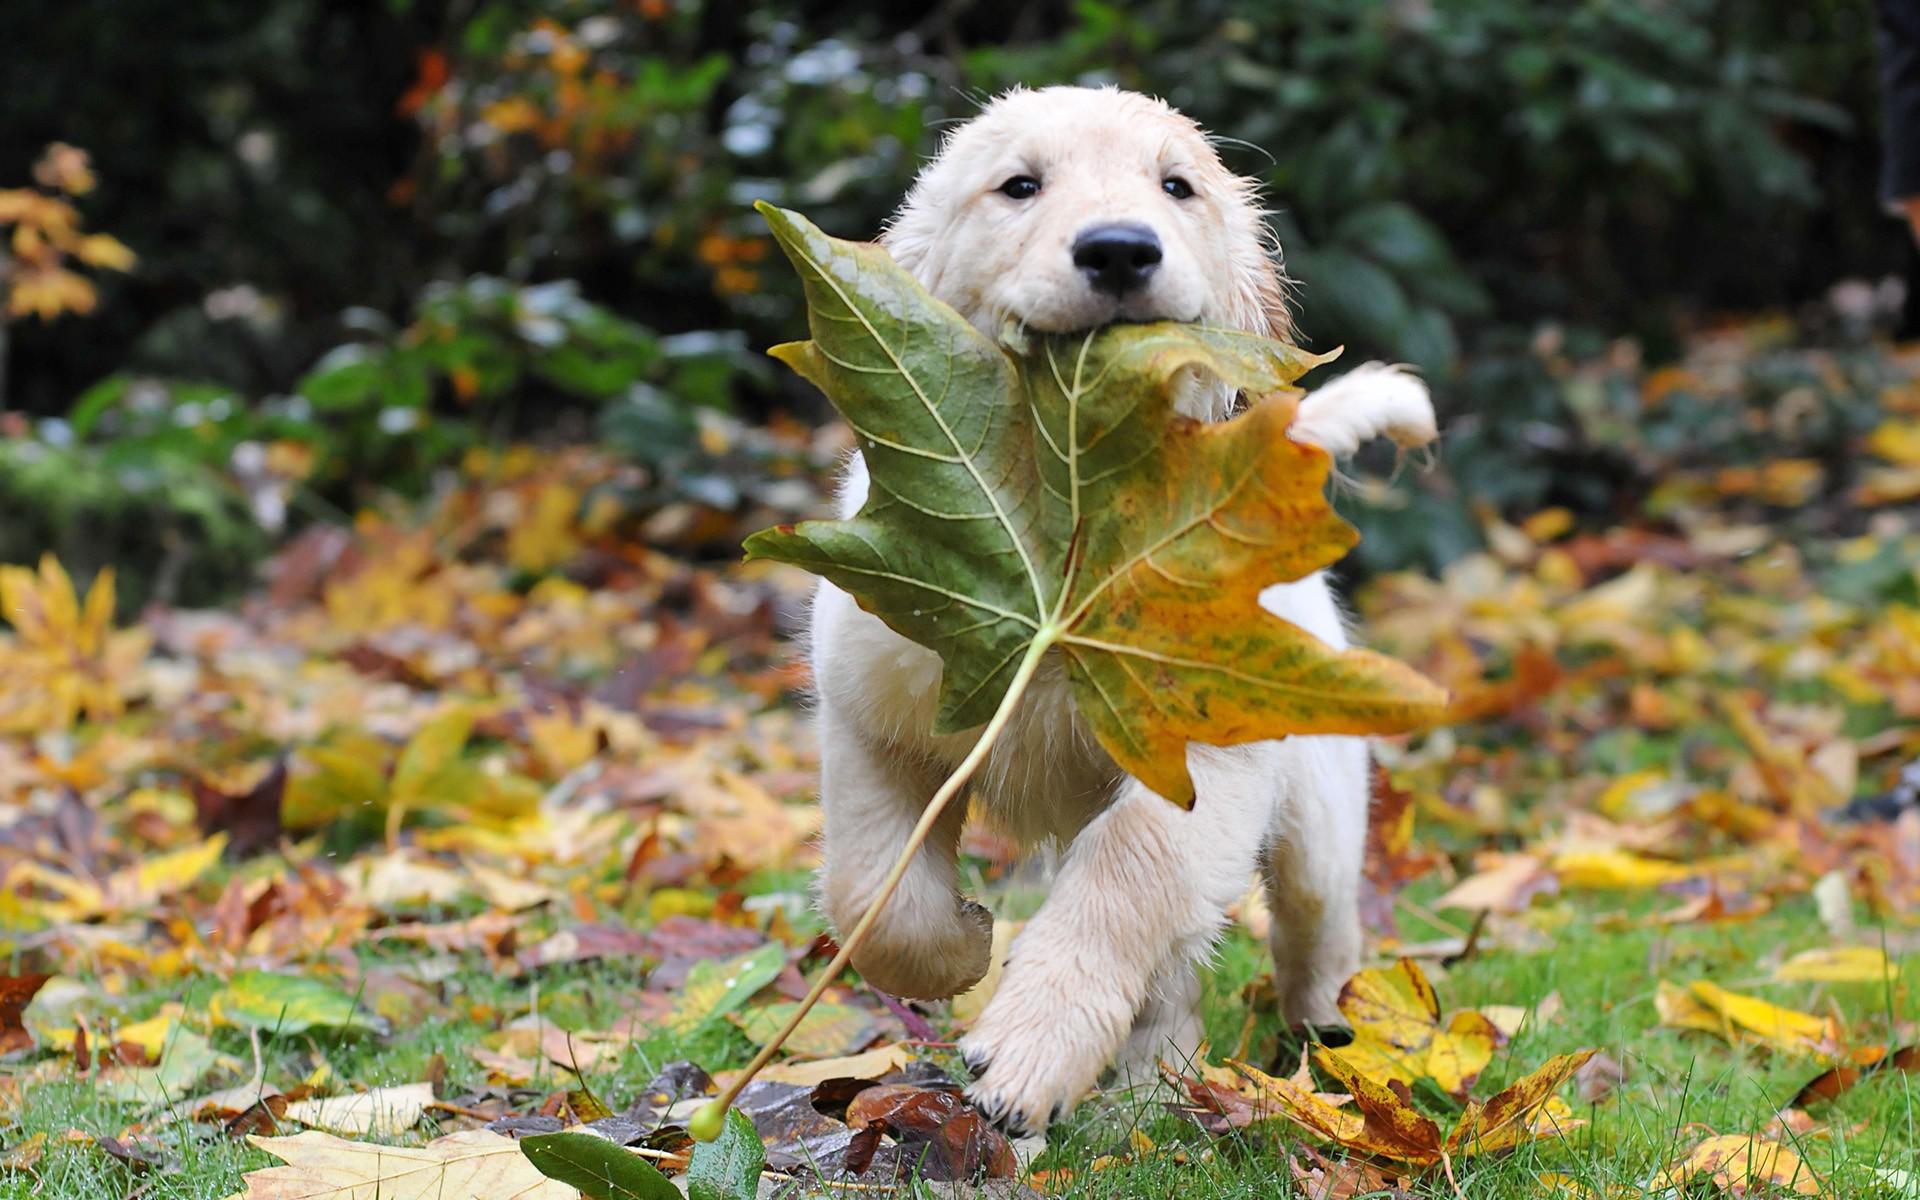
(1117, 258)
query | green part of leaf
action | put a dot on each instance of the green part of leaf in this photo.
(714, 989)
(829, 1030)
(946, 548)
(184, 1062)
(276, 1002)
(728, 1168)
(1057, 496)
(597, 1167)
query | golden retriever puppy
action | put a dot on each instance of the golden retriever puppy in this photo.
(1065, 209)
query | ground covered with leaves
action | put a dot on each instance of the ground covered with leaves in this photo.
(490, 817)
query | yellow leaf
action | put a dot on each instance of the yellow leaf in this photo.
(104, 251)
(1621, 869)
(1838, 964)
(1897, 442)
(46, 292)
(1744, 1019)
(1781, 1027)
(433, 749)
(1397, 1032)
(477, 1163)
(968, 1005)
(1741, 1164)
(544, 535)
(870, 1065)
(164, 875)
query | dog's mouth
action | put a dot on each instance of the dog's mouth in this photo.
(1117, 314)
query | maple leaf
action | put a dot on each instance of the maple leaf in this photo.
(320, 1166)
(65, 658)
(1398, 1033)
(1383, 1124)
(1738, 1018)
(1742, 1164)
(1053, 501)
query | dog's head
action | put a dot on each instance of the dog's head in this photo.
(1067, 208)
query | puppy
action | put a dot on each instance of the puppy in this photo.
(1065, 209)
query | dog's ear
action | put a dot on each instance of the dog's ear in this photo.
(1272, 299)
(908, 237)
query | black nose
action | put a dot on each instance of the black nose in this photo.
(1117, 258)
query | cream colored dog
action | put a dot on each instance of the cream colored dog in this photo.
(1065, 209)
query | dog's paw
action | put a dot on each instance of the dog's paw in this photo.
(1033, 1056)
(929, 962)
(1019, 1106)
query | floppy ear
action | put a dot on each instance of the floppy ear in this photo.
(1261, 293)
(1270, 297)
(908, 235)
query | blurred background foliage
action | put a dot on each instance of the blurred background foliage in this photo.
(372, 234)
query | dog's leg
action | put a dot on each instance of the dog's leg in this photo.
(1312, 870)
(1166, 1029)
(928, 942)
(1143, 889)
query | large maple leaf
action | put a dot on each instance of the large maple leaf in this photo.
(1046, 497)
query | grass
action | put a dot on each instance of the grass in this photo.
(1603, 960)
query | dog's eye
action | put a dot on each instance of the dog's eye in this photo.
(1020, 187)
(1176, 187)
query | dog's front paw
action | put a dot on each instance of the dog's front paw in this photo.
(1033, 1057)
(931, 960)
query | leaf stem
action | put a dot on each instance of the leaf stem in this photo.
(712, 1115)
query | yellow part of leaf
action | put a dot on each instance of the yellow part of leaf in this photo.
(435, 747)
(475, 1164)
(1617, 869)
(968, 1005)
(870, 1065)
(1838, 964)
(164, 875)
(1897, 441)
(1526, 1110)
(830, 1030)
(1462, 1050)
(1742, 1164)
(379, 1112)
(1746, 1019)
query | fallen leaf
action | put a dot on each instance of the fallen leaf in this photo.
(16, 992)
(1617, 869)
(1744, 1019)
(377, 1112)
(829, 1031)
(474, 1165)
(1832, 1082)
(714, 989)
(1507, 883)
(1838, 964)
(184, 1062)
(961, 1146)
(1398, 1033)
(1741, 1164)
(279, 1002)
(870, 1065)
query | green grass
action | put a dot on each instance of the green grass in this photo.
(1678, 1084)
